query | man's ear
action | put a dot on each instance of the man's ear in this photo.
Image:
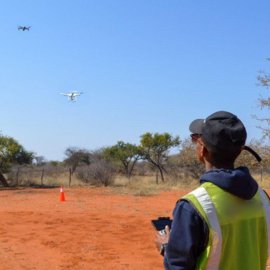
(204, 153)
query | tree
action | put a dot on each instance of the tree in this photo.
(39, 160)
(155, 149)
(75, 157)
(247, 159)
(264, 103)
(187, 160)
(128, 154)
(11, 152)
(100, 171)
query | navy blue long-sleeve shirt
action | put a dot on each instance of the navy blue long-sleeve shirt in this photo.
(189, 235)
(189, 232)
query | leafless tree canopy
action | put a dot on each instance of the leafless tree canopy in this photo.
(264, 103)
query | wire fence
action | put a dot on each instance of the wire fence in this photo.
(49, 175)
(39, 175)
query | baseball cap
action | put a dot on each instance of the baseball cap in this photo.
(222, 132)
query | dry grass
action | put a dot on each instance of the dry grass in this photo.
(54, 180)
(263, 180)
(136, 185)
(146, 185)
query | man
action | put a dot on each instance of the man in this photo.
(225, 223)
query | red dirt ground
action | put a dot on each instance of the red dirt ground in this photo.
(93, 229)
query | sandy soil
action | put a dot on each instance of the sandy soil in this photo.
(93, 229)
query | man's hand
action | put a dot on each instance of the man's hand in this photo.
(162, 238)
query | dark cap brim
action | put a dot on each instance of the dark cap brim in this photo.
(196, 126)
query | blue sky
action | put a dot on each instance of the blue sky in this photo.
(144, 66)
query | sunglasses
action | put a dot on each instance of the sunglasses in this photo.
(195, 137)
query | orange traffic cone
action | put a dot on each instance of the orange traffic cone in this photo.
(62, 194)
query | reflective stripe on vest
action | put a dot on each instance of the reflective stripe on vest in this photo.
(266, 206)
(204, 199)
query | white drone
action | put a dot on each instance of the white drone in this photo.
(72, 96)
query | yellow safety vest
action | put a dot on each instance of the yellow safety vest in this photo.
(239, 230)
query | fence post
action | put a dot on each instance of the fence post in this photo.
(70, 173)
(41, 178)
(17, 176)
(156, 177)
